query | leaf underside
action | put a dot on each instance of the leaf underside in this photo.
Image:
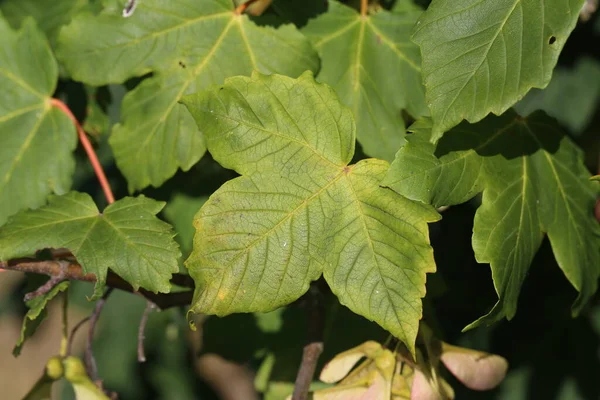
(533, 181)
(127, 238)
(483, 56)
(188, 45)
(37, 139)
(375, 69)
(300, 210)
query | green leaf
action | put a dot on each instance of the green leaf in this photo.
(533, 180)
(36, 314)
(37, 139)
(49, 17)
(300, 210)
(127, 238)
(375, 69)
(97, 121)
(188, 44)
(179, 212)
(483, 56)
(580, 84)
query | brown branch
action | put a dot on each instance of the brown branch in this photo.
(73, 271)
(312, 351)
(90, 361)
(89, 149)
(142, 328)
(53, 281)
(310, 357)
(73, 332)
(242, 7)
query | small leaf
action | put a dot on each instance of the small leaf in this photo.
(36, 314)
(375, 69)
(188, 45)
(483, 56)
(127, 238)
(299, 209)
(37, 139)
(533, 180)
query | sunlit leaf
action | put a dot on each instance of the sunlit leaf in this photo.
(375, 69)
(37, 139)
(188, 45)
(300, 210)
(483, 56)
(533, 181)
(36, 314)
(127, 238)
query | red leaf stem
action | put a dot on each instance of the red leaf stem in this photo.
(89, 149)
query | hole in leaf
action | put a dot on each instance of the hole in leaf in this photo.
(552, 40)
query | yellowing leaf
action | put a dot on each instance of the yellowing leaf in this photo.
(300, 210)
(375, 69)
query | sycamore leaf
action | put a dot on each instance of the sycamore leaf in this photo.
(188, 45)
(533, 180)
(483, 56)
(50, 17)
(36, 314)
(127, 238)
(299, 209)
(37, 139)
(375, 69)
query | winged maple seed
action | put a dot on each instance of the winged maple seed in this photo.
(387, 374)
